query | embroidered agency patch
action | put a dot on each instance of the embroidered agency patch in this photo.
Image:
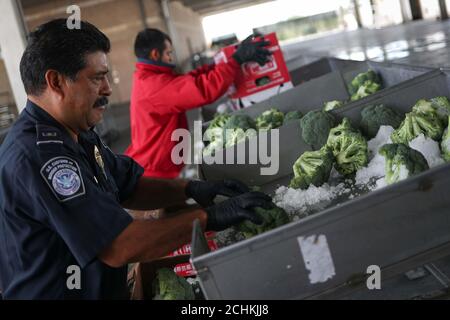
(63, 176)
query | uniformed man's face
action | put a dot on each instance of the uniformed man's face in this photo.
(86, 96)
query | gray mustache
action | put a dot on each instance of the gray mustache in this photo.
(103, 101)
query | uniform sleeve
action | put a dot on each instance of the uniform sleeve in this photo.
(192, 91)
(69, 201)
(125, 170)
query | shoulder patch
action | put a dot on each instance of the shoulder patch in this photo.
(63, 176)
(47, 135)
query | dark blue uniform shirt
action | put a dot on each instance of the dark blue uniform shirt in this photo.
(59, 208)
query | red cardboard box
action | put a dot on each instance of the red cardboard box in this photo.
(185, 269)
(255, 78)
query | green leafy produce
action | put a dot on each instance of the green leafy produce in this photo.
(349, 148)
(438, 106)
(236, 129)
(293, 115)
(445, 144)
(313, 167)
(270, 119)
(366, 90)
(442, 107)
(272, 218)
(316, 126)
(362, 79)
(402, 162)
(332, 105)
(167, 285)
(416, 123)
(373, 117)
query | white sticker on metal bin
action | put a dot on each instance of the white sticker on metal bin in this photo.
(317, 257)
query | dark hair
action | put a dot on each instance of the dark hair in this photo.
(149, 39)
(54, 46)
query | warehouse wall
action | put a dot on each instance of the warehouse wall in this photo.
(121, 20)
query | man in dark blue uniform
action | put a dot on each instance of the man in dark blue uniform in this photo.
(62, 191)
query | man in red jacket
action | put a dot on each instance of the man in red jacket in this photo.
(160, 97)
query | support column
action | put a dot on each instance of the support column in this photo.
(12, 46)
(357, 13)
(406, 10)
(416, 9)
(443, 7)
(171, 28)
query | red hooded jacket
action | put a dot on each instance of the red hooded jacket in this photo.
(159, 100)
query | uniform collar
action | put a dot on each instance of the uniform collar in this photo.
(42, 117)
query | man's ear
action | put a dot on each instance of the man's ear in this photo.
(54, 82)
(155, 55)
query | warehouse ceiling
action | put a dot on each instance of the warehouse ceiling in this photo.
(207, 7)
(202, 7)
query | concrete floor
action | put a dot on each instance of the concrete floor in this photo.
(422, 43)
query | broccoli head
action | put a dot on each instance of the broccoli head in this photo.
(315, 127)
(445, 144)
(214, 133)
(402, 162)
(272, 218)
(373, 117)
(416, 123)
(349, 148)
(365, 90)
(313, 167)
(237, 128)
(361, 79)
(293, 115)
(270, 119)
(331, 105)
(167, 285)
(442, 107)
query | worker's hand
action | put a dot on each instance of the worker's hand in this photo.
(204, 192)
(249, 51)
(235, 210)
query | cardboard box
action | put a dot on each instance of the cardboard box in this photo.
(255, 78)
(186, 269)
(143, 275)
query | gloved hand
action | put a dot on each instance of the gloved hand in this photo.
(249, 51)
(235, 210)
(204, 192)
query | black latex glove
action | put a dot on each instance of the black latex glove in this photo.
(204, 192)
(249, 51)
(235, 210)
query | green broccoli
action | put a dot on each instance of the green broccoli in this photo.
(293, 115)
(167, 285)
(331, 105)
(445, 144)
(313, 167)
(402, 162)
(361, 80)
(442, 107)
(272, 218)
(416, 123)
(316, 126)
(236, 127)
(270, 119)
(438, 106)
(373, 117)
(214, 133)
(349, 148)
(365, 90)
